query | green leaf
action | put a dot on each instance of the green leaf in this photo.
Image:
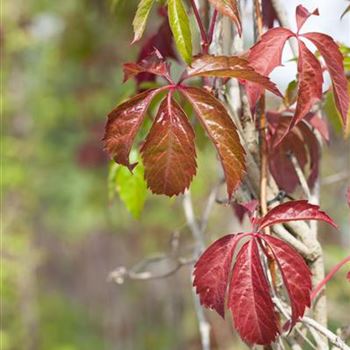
(140, 19)
(131, 187)
(180, 27)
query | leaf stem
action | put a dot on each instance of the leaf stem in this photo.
(212, 27)
(328, 277)
(199, 21)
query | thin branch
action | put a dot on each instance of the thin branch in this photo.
(333, 338)
(141, 270)
(334, 270)
(301, 177)
(192, 222)
(208, 207)
(197, 232)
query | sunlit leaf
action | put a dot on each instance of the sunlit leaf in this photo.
(294, 211)
(169, 152)
(141, 16)
(310, 81)
(264, 57)
(334, 62)
(180, 27)
(122, 126)
(222, 132)
(302, 14)
(229, 67)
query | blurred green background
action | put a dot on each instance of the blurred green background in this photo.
(63, 233)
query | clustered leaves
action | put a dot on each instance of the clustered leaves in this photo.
(266, 55)
(169, 154)
(246, 288)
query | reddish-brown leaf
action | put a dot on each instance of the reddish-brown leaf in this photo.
(249, 298)
(334, 62)
(302, 14)
(265, 56)
(222, 131)
(153, 64)
(348, 276)
(229, 8)
(294, 211)
(229, 67)
(211, 273)
(169, 154)
(309, 82)
(123, 124)
(295, 274)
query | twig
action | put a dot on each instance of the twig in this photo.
(140, 270)
(197, 232)
(192, 222)
(301, 176)
(208, 207)
(334, 270)
(333, 338)
(331, 179)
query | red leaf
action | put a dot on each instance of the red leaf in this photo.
(294, 211)
(300, 142)
(222, 131)
(348, 276)
(169, 154)
(309, 82)
(265, 56)
(268, 13)
(295, 274)
(229, 67)
(244, 208)
(229, 8)
(315, 120)
(123, 124)
(249, 298)
(334, 61)
(153, 64)
(302, 14)
(211, 273)
(249, 294)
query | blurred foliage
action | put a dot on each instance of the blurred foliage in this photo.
(62, 72)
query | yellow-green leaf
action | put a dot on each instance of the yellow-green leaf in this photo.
(180, 27)
(131, 187)
(140, 19)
